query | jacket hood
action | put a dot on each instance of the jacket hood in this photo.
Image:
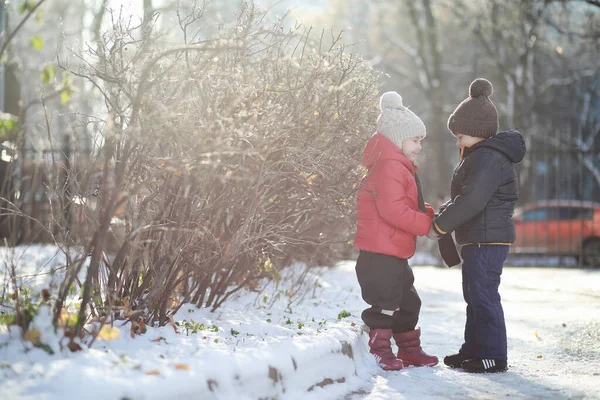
(380, 148)
(509, 142)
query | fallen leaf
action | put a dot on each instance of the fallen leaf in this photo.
(173, 324)
(142, 325)
(135, 329)
(182, 366)
(32, 335)
(73, 346)
(109, 333)
(153, 372)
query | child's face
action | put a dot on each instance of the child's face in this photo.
(411, 148)
(463, 140)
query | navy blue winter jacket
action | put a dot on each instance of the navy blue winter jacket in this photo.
(484, 191)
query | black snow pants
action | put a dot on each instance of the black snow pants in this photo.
(387, 285)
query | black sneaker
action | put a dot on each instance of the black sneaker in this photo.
(455, 360)
(484, 365)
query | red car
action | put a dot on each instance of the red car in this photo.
(559, 227)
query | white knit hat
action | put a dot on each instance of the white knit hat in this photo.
(397, 122)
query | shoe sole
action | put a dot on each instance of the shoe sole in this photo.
(452, 365)
(487, 371)
(433, 364)
(391, 369)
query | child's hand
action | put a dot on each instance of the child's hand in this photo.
(432, 234)
(429, 211)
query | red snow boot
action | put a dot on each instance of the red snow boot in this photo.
(381, 348)
(410, 351)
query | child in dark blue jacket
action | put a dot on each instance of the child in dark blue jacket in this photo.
(484, 191)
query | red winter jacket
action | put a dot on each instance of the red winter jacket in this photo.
(389, 218)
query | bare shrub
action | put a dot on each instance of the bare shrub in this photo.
(226, 160)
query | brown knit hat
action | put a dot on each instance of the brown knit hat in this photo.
(476, 116)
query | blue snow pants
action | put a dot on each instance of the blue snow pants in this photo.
(485, 329)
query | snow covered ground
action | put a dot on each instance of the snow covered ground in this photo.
(260, 346)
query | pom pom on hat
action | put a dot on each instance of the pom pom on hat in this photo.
(391, 100)
(476, 115)
(397, 122)
(480, 87)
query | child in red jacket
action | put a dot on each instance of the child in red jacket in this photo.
(391, 214)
